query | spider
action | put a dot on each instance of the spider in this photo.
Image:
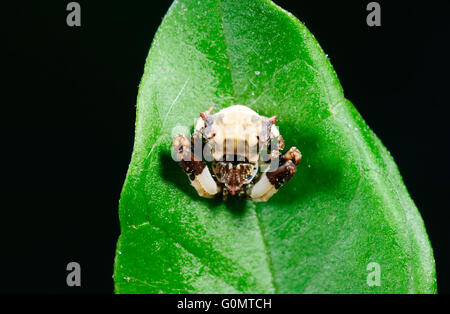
(243, 150)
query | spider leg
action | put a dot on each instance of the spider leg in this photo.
(271, 181)
(196, 170)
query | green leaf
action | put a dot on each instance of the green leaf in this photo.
(345, 208)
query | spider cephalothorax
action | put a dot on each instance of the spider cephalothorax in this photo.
(243, 148)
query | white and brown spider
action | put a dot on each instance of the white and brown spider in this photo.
(244, 150)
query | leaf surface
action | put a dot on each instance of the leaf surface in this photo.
(345, 208)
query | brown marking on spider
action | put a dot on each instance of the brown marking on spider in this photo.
(240, 143)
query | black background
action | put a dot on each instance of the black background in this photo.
(68, 112)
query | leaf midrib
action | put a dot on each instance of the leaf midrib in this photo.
(253, 206)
